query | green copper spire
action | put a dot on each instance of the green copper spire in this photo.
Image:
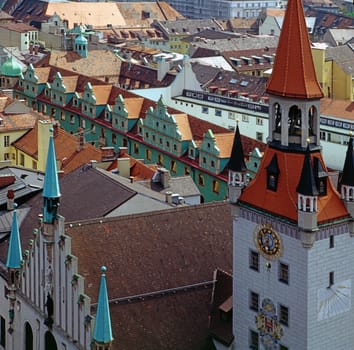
(14, 255)
(51, 191)
(102, 332)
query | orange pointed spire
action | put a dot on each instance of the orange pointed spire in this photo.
(293, 72)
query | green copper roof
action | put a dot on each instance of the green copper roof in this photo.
(14, 254)
(102, 332)
(80, 39)
(51, 183)
(11, 68)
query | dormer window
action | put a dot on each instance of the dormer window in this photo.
(273, 174)
(320, 177)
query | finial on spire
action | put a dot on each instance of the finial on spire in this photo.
(102, 332)
(14, 255)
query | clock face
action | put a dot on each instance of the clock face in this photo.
(334, 300)
(267, 241)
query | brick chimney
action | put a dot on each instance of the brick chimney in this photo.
(10, 200)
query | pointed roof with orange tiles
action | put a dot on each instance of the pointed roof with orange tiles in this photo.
(293, 73)
(283, 201)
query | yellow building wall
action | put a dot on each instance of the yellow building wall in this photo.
(334, 82)
(6, 150)
(177, 45)
(341, 83)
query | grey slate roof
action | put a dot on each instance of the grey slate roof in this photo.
(244, 43)
(343, 55)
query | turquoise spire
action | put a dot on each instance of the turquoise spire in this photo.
(51, 190)
(102, 332)
(14, 254)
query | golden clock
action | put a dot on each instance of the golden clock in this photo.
(267, 241)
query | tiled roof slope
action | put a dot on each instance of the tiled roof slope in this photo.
(252, 85)
(244, 43)
(16, 120)
(147, 253)
(343, 55)
(98, 64)
(86, 193)
(283, 202)
(145, 12)
(337, 108)
(66, 146)
(326, 20)
(97, 14)
(293, 62)
(134, 76)
(253, 62)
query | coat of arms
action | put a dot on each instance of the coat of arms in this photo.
(268, 325)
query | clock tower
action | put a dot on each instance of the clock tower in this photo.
(293, 247)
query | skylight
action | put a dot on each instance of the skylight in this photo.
(244, 83)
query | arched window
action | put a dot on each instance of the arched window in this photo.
(28, 337)
(312, 116)
(294, 121)
(277, 117)
(49, 341)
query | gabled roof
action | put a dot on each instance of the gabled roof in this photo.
(179, 248)
(66, 149)
(98, 63)
(343, 109)
(343, 56)
(326, 20)
(294, 74)
(134, 76)
(283, 201)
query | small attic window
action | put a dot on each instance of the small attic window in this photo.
(320, 177)
(273, 174)
(1, 122)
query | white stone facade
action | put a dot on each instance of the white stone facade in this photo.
(309, 270)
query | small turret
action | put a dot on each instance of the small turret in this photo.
(102, 333)
(236, 169)
(14, 264)
(81, 46)
(307, 201)
(51, 191)
(346, 183)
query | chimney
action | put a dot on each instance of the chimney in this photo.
(31, 49)
(55, 128)
(44, 127)
(10, 200)
(164, 177)
(81, 139)
(131, 178)
(123, 166)
(163, 66)
(107, 153)
(122, 151)
(168, 195)
(36, 48)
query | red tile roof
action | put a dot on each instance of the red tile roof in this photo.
(66, 146)
(294, 74)
(283, 201)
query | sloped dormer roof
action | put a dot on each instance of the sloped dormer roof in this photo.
(294, 74)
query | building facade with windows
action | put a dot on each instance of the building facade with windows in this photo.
(113, 117)
(293, 232)
(221, 9)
